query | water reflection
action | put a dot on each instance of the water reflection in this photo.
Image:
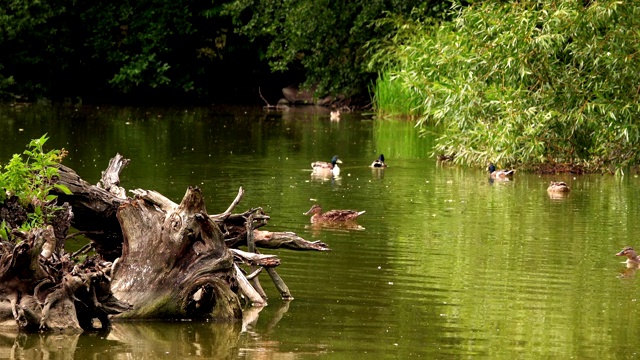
(346, 226)
(377, 173)
(558, 195)
(448, 265)
(322, 178)
(152, 340)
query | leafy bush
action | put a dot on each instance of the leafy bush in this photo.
(31, 180)
(527, 83)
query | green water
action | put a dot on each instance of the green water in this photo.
(447, 265)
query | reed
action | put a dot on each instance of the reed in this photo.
(393, 98)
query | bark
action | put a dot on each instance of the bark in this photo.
(94, 213)
(154, 259)
(48, 291)
(174, 262)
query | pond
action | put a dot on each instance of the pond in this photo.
(445, 263)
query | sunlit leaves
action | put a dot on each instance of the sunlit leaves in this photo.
(528, 82)
(31, 177)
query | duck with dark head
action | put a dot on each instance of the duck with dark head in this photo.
(327, 168)
(379, 162)
(504, 175)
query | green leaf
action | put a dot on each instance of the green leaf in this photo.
(63, 188)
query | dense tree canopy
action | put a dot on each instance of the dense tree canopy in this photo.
(323, 38)
(187, 49)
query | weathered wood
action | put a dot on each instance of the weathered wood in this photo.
(245, 287)
(255, 259)
(110, 180)
(251, 246)
(172, 260)
(286, 240)
(169, 257)
(285, 294)
(94, 211)
(155, 258)
(47, 291)
(155, 198)
(234, 203)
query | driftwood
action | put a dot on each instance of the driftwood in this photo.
(153, 258)
(48, 291)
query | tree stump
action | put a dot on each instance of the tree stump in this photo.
(174, 262)
(154, 259)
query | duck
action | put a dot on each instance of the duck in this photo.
(632, 258)
(379, 162)
(327, 168)
(444, 158)
(335, 115)
(505, 175)
(331, 216)
(558, 187)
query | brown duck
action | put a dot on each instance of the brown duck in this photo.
(558, 187)
(632, 258)
(331, 216)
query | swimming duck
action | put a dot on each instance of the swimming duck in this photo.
(558, 187)
(500, 174)
(331, 215)
(379, 162)
(632, 258)
(322, 167)
(335, 115)
(444, 158)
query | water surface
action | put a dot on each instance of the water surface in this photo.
(447, 265)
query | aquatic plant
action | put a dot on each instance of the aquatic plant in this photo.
(393, 99)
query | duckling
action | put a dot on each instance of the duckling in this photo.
(558, 187)
(379, 162)
(632, 258)
(332, 215)
(335, 115)
(327, 168)
(504, 175)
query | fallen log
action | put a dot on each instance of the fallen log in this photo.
(254, 259)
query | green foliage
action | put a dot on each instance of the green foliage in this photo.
(4, 230)
(527, 83)
(392, 98)
(189, 48)
(33, 45)
(31, 179)
(323, 39)
(138, 41)
(65, 48)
